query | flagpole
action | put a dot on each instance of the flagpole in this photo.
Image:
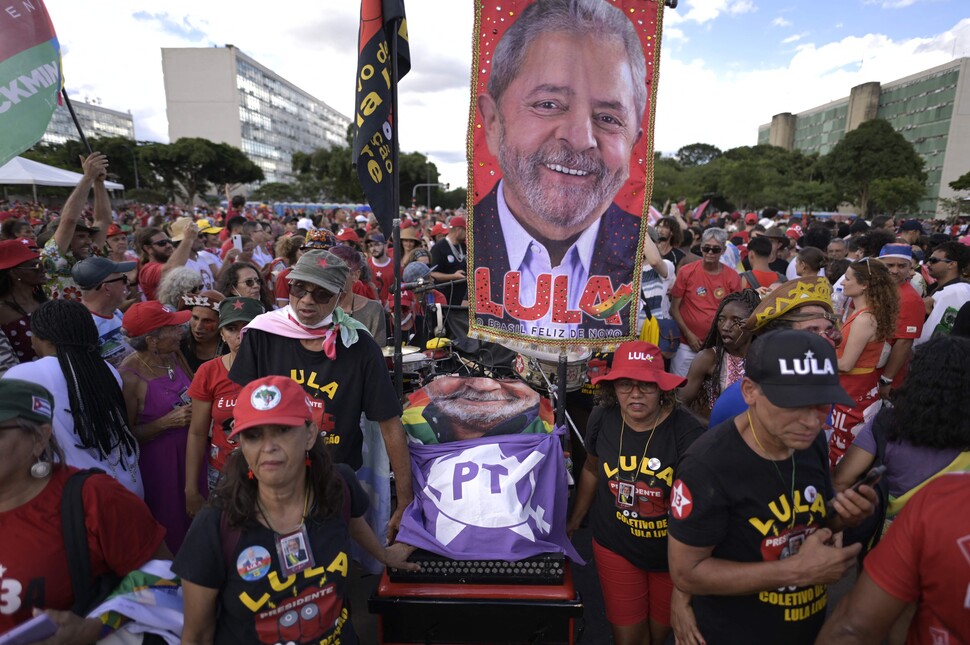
(77, 124)
(396, 192)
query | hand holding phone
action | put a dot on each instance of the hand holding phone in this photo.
(237, 242)
(870, 479)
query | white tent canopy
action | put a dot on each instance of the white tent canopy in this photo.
(24, 171)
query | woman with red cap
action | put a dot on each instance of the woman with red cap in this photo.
(21, 280)
(268, 560)
(155, 380)
(634, 439)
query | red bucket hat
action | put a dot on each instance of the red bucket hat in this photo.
(640, 361)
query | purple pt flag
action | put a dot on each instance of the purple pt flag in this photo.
(501, 497)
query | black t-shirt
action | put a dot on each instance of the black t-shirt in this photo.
(633, 522)
(777, 265)
(257, 602)
(675, 255)
(727, 496)
(194, 362)
(356, 381)
(444, 259)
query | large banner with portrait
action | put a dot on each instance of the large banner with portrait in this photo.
(561, 148)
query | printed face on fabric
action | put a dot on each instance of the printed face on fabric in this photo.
(563, 131)
(473, 406)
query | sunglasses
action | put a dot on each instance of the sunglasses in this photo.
(163, 243)
(662, 239)
(249, 282)
(935, 260)
(319, 295)
(29, 267)
(123, 278)
(711, 249)
(625, 387)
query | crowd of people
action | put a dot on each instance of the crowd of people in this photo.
(217, 364)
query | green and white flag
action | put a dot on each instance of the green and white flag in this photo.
(30, 76)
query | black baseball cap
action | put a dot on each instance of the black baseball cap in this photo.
(90, 272)
(795, 369)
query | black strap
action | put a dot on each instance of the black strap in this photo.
(76, 539)
(751, 279)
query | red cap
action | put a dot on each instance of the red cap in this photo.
(113, 230)
(795, 232)
(271, 400)
(751, 218)
(348, 235)
(640, 361)
(14, 252)
(144, 317)
(439, 229)
(458, 221)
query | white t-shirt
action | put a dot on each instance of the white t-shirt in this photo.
(947, 302)
(47, 373)
(260, 257)
(204, 270)
(112, 344)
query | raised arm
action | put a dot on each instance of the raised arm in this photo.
(94, 165)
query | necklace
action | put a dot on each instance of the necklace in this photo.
(306, 501)
(656, 421)
(16, 306)
(168, 368)
(754, 433)
(458, 252)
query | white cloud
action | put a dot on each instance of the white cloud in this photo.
(892, 4)
(120, 62)
(794, 38)
(781, 22)
(742, 6)
(704, 11)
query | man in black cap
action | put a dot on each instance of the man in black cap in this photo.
(749, 505)
(909, 231)
(104, 286)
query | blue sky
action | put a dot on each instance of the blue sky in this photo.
(727, 66)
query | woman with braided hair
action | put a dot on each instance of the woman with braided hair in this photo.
(90, 418)
(721, 359)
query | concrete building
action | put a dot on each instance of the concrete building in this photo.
(220, 94)
(930, 109)
(96, 121)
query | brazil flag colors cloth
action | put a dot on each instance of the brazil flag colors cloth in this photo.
(30, 76)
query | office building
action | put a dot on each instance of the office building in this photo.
(96, 121)
(930, 109)
(220, 94)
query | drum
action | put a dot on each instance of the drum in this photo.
(532, 364)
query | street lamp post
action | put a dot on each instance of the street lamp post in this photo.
(414, 191)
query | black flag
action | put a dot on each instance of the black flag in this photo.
(381, 22)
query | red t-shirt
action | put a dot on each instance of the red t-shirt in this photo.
(702, 293)
(365, 290)
(925, 558)
(282, 291)
(383, 278)
(149, 275)
(122, 536)
(909, 322)
(212, 384)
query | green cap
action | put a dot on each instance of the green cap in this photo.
(25, 400)
(238, 309)
(321, 268)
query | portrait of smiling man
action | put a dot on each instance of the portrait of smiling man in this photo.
(563, 110)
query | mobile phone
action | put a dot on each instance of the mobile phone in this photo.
(237, 242)
(34, 630)
(871, 478)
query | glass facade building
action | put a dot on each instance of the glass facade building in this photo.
(223, 95)
(930, 109)
(96, 121)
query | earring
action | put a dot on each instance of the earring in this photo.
(250, 475)
(40, 469)
(307, 461)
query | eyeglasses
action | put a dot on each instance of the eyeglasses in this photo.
(30, 267)
(711, 249)
(122, 278)
(249, 282)
(935, 260)
(319, 295)
(162, 243)
(625, 386)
